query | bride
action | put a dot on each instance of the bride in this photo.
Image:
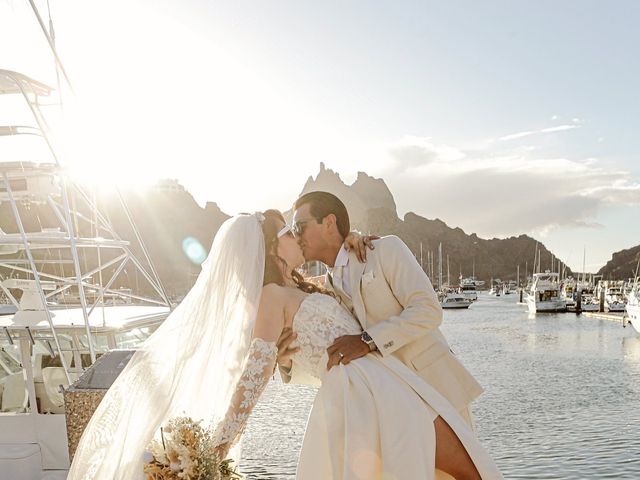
(213, 356)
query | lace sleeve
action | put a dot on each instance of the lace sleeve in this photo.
(258, 369)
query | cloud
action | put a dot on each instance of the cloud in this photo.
(412, 152)
(501, 191)
(528, 133)
(622, 192)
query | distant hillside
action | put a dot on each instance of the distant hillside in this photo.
(164, 216)
(622, 264)
(167, 214)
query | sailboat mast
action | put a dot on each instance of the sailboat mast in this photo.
(440, 265)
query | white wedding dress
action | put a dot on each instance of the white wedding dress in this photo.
(371, 419)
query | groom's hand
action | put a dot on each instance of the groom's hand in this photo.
(285, 350)
(345, 349)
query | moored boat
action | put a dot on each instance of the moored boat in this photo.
(544, 294)
(633, 305)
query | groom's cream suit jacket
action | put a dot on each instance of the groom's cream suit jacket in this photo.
(396, 304)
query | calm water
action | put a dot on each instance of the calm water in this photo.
(562, 396)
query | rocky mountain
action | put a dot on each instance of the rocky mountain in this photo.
(167, 215)
(372, 209)
(622, 265)
(365, 195)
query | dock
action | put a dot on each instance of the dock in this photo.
(616, 317)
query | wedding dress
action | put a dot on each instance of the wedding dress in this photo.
(371, 419)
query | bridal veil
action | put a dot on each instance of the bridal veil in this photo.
(189, 366)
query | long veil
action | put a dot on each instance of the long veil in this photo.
(191, 364)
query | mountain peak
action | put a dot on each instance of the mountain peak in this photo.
(365, 194)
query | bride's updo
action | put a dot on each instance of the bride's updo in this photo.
(275, 266)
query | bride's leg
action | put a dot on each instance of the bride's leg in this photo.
(451, 456)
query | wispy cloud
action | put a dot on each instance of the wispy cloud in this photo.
(528, 133)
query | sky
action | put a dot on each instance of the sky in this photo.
(499, 117)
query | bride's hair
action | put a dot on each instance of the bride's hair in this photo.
(274, 265)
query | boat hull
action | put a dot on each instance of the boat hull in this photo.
(455, 307)
(554, 306)
(615, 307)
(634, 316)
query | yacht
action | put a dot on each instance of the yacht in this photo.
(544, 294)
(569, 293)
(494, 287)
(468, 288)
(614, 297)
(633, 305)
(589, 301)
(68, 291)
(33, 428)
(455, 300)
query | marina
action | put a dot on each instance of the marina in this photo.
(561, 401)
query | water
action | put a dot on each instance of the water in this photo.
(562, 396)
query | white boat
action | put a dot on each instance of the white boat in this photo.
(455, 300)
(568, 293)
(33, 430)
(633, 305)
(589, 303)
(493, 289)
(544, 294)
(45, 343)
(614, 297)
(468, 288)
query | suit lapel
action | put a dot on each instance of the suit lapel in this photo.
(355, 276)
(345, 301)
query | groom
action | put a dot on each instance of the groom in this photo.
(391, 297)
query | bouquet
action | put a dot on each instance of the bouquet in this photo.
(186, 451)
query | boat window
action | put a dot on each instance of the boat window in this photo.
(8, 361)
(133, 338)
(99, 342)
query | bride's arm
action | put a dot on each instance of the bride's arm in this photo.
(258, 369)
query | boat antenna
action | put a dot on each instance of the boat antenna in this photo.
(50, 41)
(52, 32)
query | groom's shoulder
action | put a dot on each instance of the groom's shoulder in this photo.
(389, 242)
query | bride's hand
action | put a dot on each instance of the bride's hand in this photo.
(221, 451)
(359, 243)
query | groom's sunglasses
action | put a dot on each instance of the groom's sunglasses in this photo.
(300, 226)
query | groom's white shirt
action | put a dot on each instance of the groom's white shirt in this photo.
(342, 261)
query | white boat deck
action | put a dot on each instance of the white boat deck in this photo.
(102, 319)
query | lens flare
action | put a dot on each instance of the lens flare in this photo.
(194, 250)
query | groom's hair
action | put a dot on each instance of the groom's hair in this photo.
(322, 204)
